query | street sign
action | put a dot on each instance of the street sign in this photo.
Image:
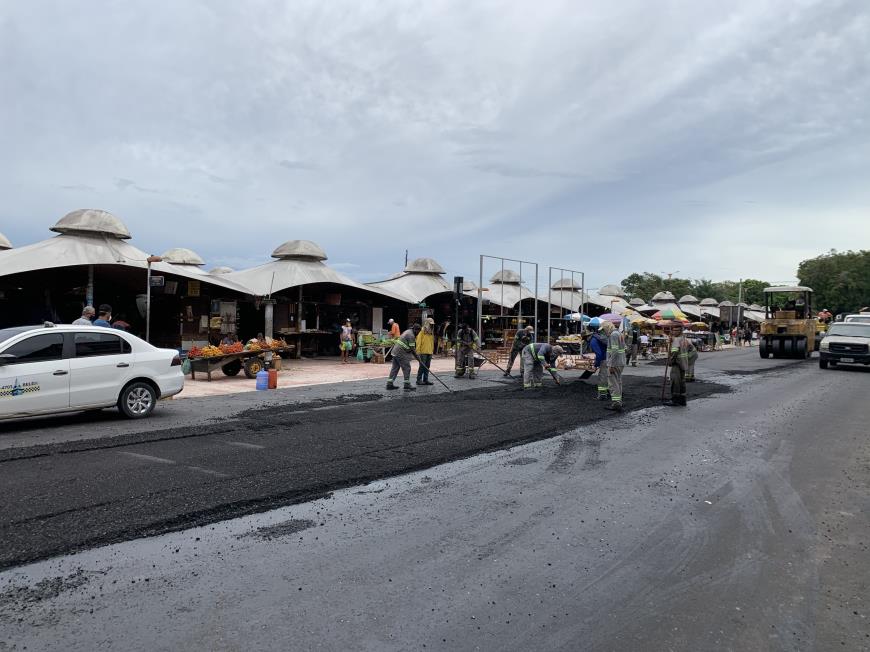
(158, 281)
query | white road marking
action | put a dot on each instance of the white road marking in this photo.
(244, 444)
(208, 471)
(149, 458)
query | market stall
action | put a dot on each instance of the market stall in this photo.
(234, 358)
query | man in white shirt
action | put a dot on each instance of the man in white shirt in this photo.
(88, 313)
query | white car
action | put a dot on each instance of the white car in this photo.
(845, 343)
(862, 318)
(48, 369)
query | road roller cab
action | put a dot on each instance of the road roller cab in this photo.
(789, 328)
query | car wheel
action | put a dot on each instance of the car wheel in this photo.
(137, 400)
(823, 364)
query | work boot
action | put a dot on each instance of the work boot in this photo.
(409, 388)
(428, 382)
(506, 373)
(390, 385)
(682, 401)
(420, 382)
(614, 406)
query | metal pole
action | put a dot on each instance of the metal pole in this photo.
(550, 300)
(536, 302)
(89, 296)
(479, 304)
(147, 305)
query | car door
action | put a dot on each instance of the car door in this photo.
(101, 363)
(37, 378)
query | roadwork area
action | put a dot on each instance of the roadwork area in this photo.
(64, 497)
(737, 523)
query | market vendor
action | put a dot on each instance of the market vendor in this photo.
(228, 339)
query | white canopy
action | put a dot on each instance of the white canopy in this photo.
(289, 273)
(4, 243)
(422, 278)
(83, 248)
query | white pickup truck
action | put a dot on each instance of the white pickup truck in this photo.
(847, 342)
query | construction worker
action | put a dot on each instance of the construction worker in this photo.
(403, 351)
(467, 342)
(522, 339)
(535, 357)
(693, 357)
(615, 362)
(425, 351)
(681, 349)
(632, 338)
(598, 346)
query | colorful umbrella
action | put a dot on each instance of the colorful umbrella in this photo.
(609, 316)
(672, 314)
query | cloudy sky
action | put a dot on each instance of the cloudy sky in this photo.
(720, 139)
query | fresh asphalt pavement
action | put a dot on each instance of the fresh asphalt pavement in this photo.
(739, 522)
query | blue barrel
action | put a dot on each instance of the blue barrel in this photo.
(262, 380)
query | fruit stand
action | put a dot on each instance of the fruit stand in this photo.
(233, 358)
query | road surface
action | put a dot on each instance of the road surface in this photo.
(738, 523)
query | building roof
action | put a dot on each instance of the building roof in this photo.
(92, 220)
(302, 249)
(293, 270)
(709, 301)
(637, 301)
(664, 296)
(567, 283)
(415, 286)
(726, 304)
(611, 290)
(424, 266)
(788, 288)
(182, 256)
(687, 298)
(506, 276)
(221, 270)
(90, 248)
(4, 242)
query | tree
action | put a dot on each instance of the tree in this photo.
(642, 285)
(753, 290)
(841, 280)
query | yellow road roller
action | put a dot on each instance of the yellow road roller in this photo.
(789, 328)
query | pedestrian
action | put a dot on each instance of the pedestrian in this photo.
(522, 339)
(467, 342)
(615, 364)
(104, 318)
(634, 346)
(644, 344)
(87, 317)
(535, 357)
(403, 352)
(598, 346)
(747, 335)
(425, 351)
(681, 349)
(693, 357)
(345, 341)
(395, 331)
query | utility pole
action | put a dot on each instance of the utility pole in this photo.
(149, 260)
(739, 301)
(406, 257)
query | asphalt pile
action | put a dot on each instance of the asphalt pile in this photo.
(66, 497)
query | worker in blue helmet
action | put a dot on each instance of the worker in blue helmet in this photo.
(598, 346)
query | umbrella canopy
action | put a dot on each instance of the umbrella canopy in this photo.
(576, 316)
(670, 314)
(611, 317)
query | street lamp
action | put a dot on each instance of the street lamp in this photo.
(149, 260)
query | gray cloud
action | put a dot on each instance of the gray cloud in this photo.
(654, 123)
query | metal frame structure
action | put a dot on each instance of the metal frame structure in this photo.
(562, 272)
(501, 307)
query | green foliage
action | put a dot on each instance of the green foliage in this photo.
(646, 285)
(841, 280)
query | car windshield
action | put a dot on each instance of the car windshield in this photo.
(8, 333)
(851, 329)
(863, 319)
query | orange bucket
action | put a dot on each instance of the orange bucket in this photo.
(273, 378)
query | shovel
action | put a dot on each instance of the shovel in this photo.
(428, 370)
